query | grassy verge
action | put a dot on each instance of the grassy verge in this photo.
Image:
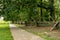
(39, 33)
(5, 33)
(46, 37)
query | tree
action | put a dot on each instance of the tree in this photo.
(29, 10)
(52, 14)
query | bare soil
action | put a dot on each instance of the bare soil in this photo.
(44, 30)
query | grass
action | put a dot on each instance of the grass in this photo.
(46, 37)
(39, 33)
(5, 33)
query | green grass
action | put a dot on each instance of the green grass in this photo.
(5, 33)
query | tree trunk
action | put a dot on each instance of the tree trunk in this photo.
(52, 14)
(41, 11)
(55, 26)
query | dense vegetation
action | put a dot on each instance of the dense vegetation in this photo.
(30, 10)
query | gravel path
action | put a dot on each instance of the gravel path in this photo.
(20, 34)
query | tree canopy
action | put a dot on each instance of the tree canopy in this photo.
(30, 10)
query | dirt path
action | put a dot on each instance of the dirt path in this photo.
(20, 34)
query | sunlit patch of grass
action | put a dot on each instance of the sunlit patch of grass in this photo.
(5, 33)
(1, 21)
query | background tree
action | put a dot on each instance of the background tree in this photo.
(30, 11)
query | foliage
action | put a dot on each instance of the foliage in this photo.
(30, 10)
